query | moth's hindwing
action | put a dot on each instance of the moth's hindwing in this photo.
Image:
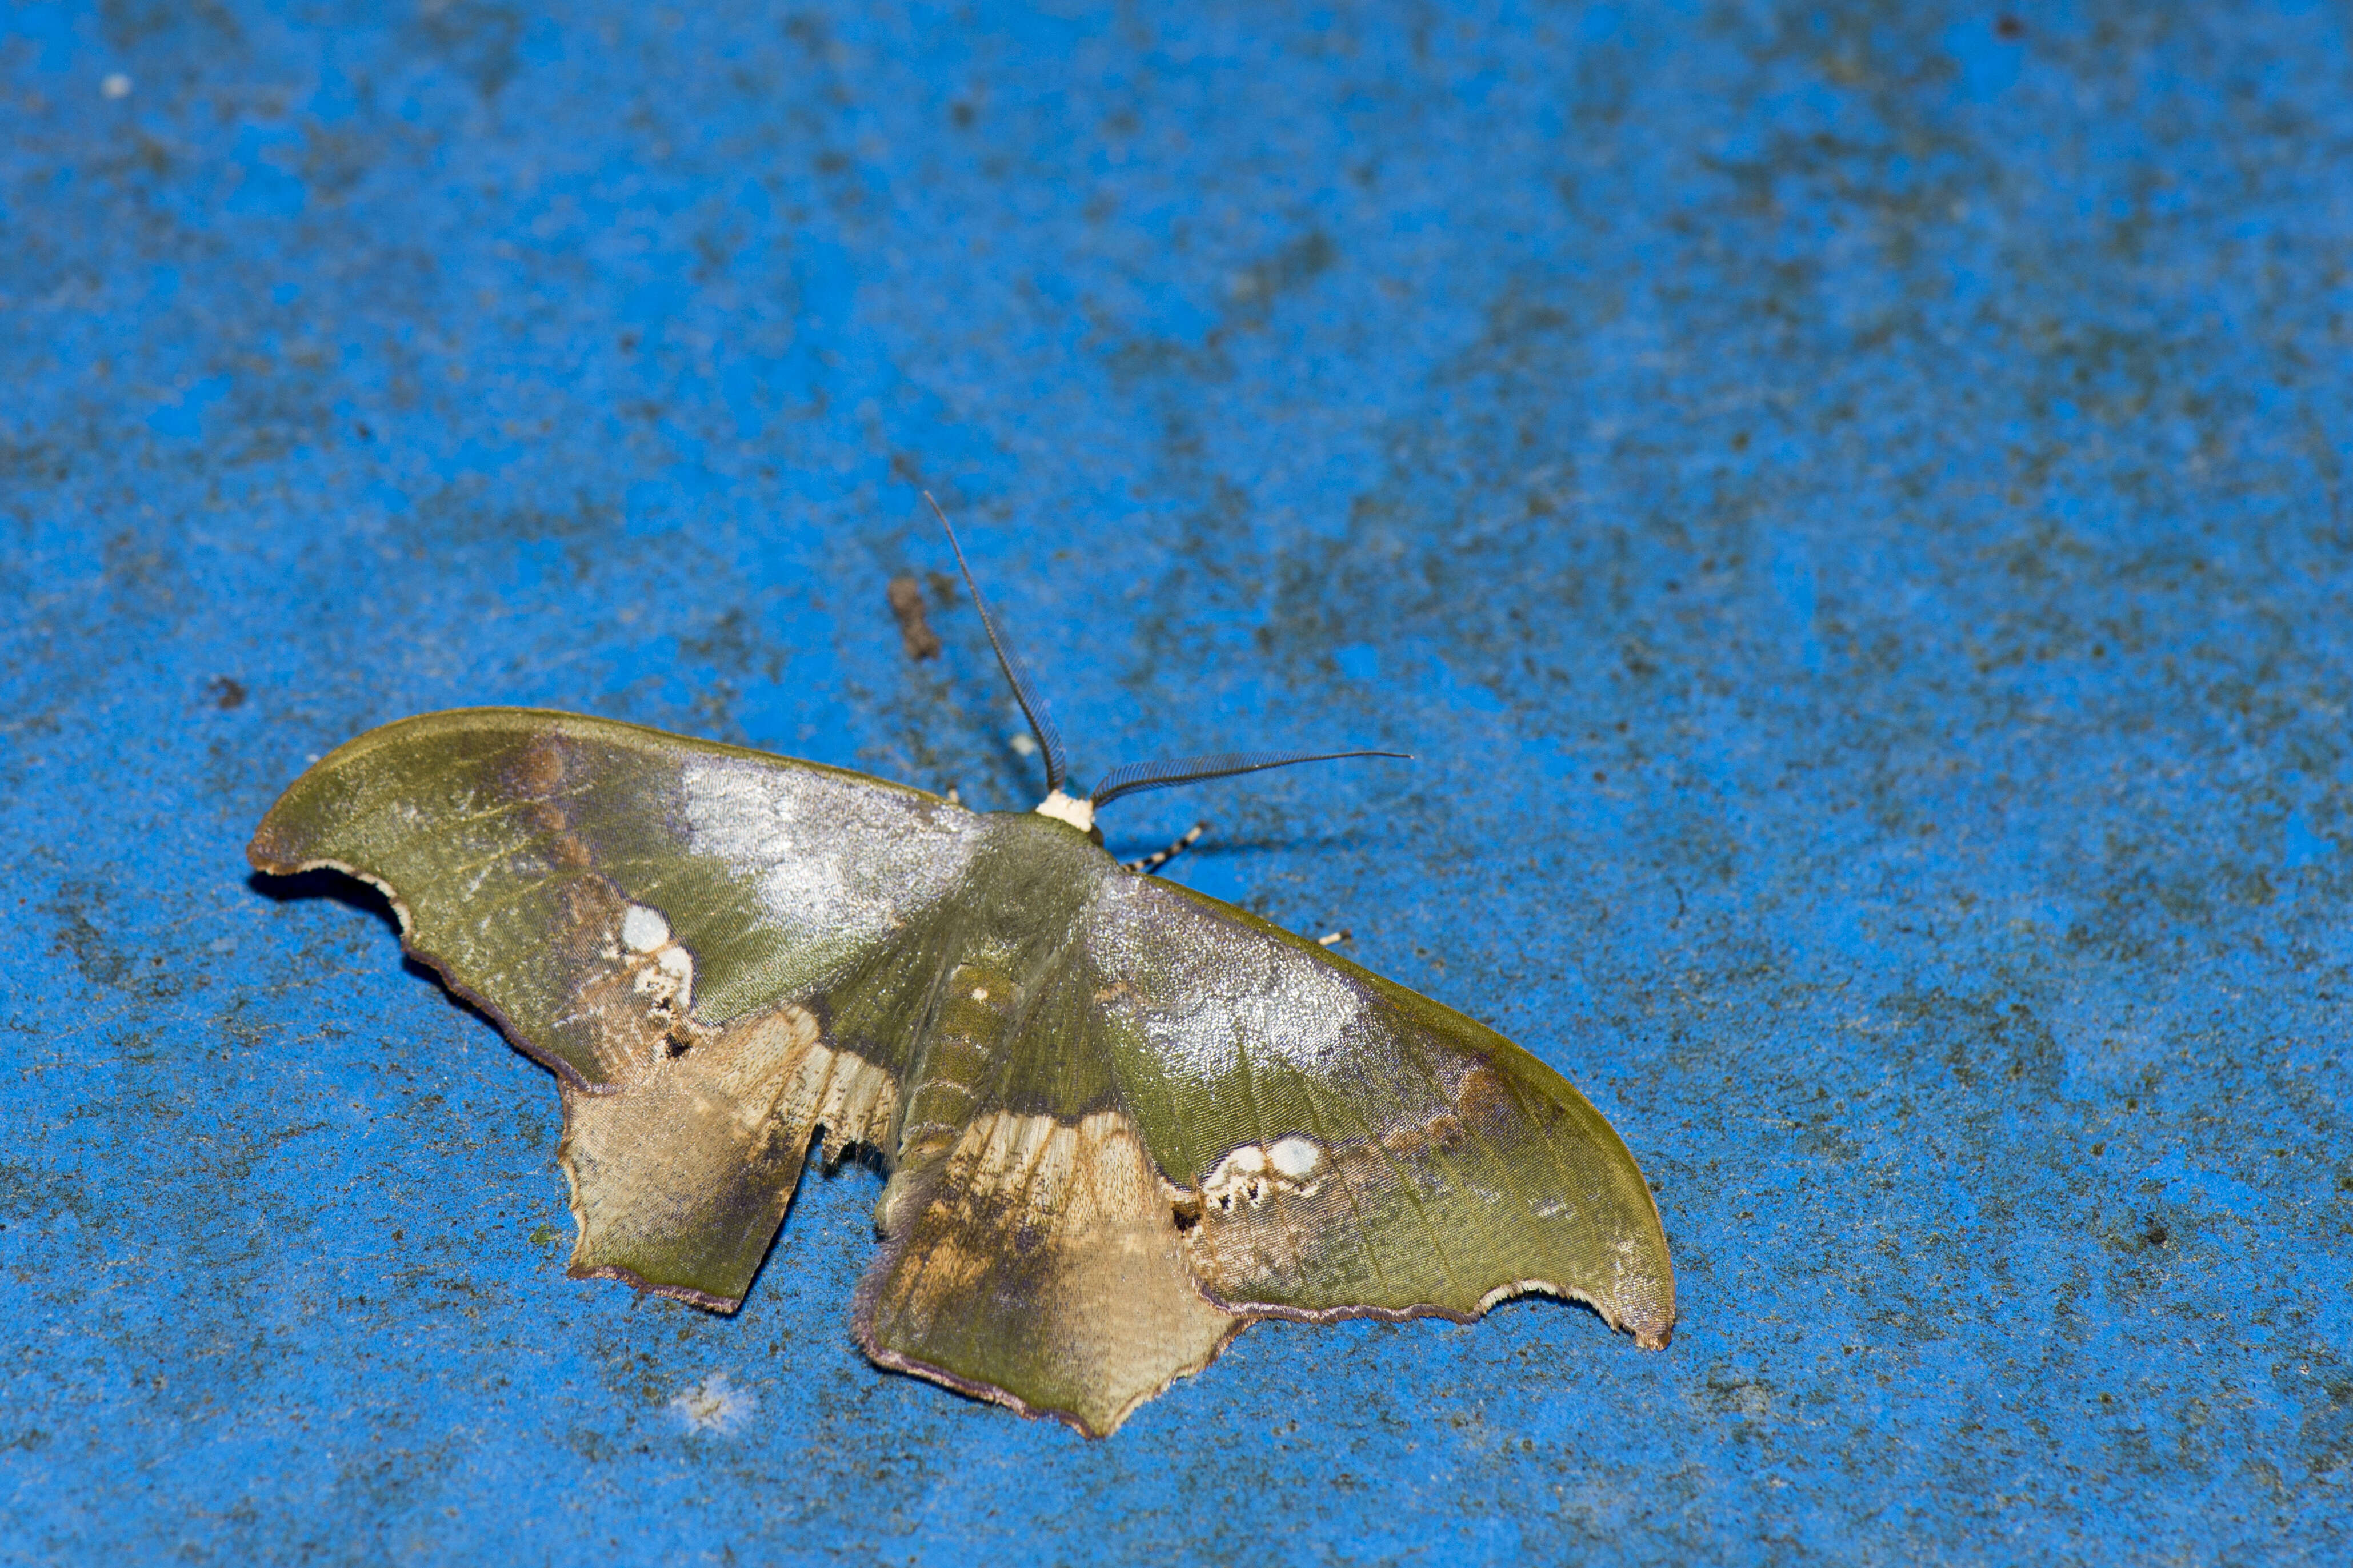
(1041, 1267)
(667, 925)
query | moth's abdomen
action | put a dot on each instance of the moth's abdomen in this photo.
(955, 1065)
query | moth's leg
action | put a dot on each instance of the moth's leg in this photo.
(1154, 861)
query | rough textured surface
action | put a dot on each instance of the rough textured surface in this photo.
(1850, 508)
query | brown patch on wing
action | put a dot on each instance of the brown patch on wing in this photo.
(538, 768)
(1481, 1098)
(1041, 1269)
(535, 774)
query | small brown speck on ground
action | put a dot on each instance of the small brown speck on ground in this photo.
(914, 627)
(226, 693)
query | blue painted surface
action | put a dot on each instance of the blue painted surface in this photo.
(1848, 505)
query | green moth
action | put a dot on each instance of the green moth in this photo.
(1120, 1120)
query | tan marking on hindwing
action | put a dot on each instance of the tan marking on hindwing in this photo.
(852, 1099)
(679, 1177)
(1041, 1269)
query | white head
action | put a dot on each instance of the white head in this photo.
(1080, 812)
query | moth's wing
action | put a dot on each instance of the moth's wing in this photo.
(1042, 1269)
(1035, 1258)
(716, 949)
(1352, 1148)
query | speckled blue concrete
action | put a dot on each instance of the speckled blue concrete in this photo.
(1850, 506)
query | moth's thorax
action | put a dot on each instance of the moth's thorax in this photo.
(1079, 814)
(1027, 885)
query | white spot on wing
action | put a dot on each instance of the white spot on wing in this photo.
(644, 930)
(1295, 1157)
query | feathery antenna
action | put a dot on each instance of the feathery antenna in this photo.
(1025, 691)
(1132, 777)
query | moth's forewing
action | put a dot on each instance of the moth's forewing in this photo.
(666, 923)
(1356, 1148)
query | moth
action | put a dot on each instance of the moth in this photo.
(1119, 1121)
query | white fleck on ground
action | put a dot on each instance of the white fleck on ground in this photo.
(714, 1405)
